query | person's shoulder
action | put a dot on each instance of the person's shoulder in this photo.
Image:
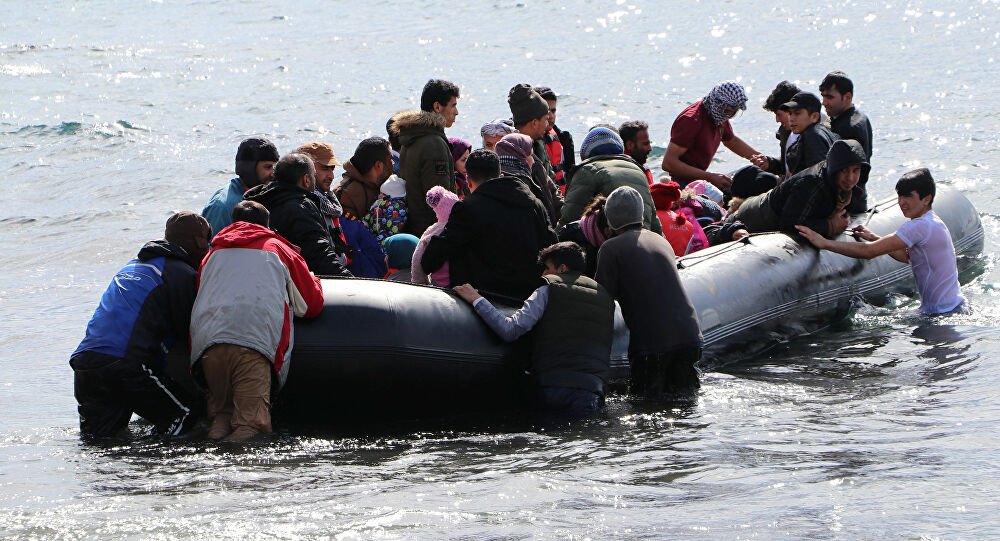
(692, 114)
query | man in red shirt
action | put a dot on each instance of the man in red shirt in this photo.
(697, 132)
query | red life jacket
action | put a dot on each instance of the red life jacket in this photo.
(555, 149)
(676, 229)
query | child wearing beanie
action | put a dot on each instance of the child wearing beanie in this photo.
(441, 201)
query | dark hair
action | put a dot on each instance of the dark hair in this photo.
(839, 81)
(781, 94)
(564, 253)
(482, 165)
(392, 130)
(252, 212)
(291, 167)
(918, 180)
(596, 208)
(546, 93)
(630, 130)
(437, 91)
(603, 125)
(369, 151)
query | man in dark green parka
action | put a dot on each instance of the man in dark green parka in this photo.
(425, 157)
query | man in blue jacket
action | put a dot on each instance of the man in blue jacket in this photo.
(255, 161)
(119, 366)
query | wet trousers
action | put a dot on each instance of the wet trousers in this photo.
(665, 375)
(109, 390)
(239, 391)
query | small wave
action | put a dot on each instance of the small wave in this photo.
(104, 129)
(15, 70)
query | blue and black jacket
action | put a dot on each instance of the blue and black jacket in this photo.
(146, 308)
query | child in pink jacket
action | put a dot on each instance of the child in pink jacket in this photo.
(441, 201)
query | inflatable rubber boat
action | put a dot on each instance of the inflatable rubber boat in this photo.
(385, 346)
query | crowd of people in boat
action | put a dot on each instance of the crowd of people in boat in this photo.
(417, 206)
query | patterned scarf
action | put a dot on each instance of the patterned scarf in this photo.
(511, 166)
(729, 93)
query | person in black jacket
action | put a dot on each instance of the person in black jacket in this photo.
(493, 235)
(813, 138)
(781, 94)
(815, 198)
(294, 206)
(846, 121)
(118, 368)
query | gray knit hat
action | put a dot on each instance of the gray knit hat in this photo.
(623, 208)
(601, 141)
(526, 104)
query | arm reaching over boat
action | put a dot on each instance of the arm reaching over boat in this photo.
(875, 246)
(924, 241)
(572, 322)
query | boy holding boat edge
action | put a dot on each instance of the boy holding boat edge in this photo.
(924, 242)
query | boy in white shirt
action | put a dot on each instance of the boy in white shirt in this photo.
(924, 242)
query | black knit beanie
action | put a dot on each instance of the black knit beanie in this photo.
(526, 104)
(251, 151)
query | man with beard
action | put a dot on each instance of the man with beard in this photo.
(635, 135)
(254, 166)
(294, 206)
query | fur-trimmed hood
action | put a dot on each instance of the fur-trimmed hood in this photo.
(413, 124)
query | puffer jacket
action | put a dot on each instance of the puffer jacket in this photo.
(600, 175)
(424, 162)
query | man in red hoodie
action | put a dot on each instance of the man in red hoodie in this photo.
(249, 287)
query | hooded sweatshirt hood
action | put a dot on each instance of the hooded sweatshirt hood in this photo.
(414, 124)
(239, 234)
(509, 190)
(844, 153)
(164, 248)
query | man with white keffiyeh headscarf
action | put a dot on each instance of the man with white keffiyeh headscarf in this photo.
(697, 132)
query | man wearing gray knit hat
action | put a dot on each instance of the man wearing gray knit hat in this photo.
(638, 269)
(604, 168)
(530, 113)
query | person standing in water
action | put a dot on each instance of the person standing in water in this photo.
(924, 242)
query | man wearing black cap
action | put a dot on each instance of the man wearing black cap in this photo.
(119, 366)
(255, 161)
(531, 117)
(814, 138)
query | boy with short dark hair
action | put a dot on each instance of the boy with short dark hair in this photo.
(572, 319)
(813, 139)
(924, 242)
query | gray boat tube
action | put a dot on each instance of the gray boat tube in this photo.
(388, 347)
(770, 286)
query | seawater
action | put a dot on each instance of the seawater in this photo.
(114, 115)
